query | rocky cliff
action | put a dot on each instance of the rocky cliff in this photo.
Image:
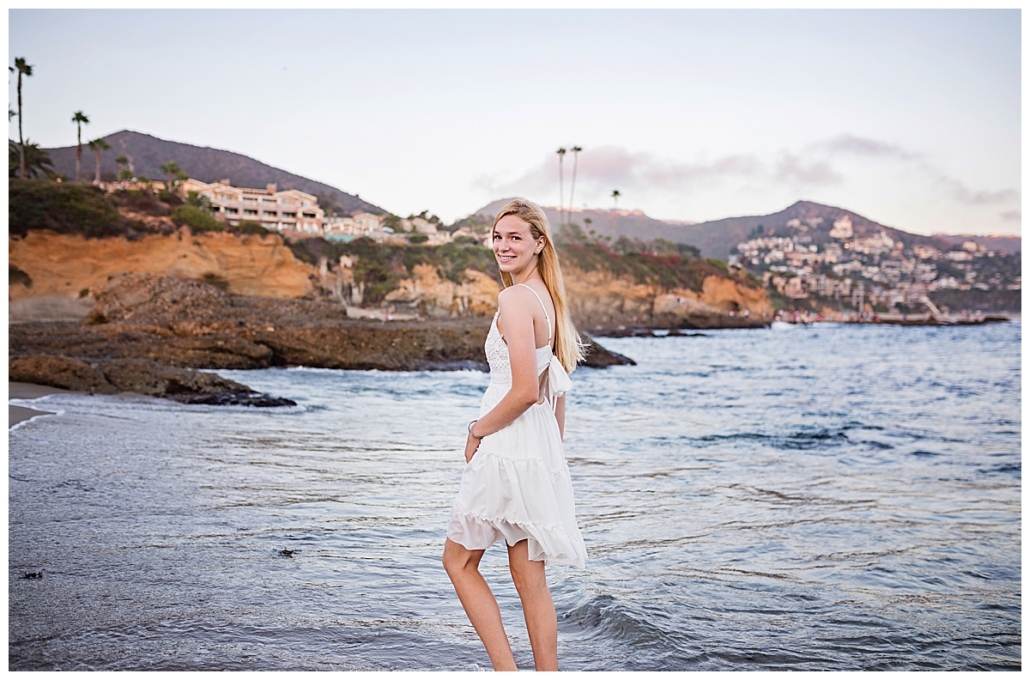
(191, 324)
(60, 269)
(68, 264)
(601, 303)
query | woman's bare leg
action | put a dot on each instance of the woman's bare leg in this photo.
(462, 566)
(541, 620)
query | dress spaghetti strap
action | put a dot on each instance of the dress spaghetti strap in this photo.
(538, 299)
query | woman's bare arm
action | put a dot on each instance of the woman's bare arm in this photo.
(516, 317)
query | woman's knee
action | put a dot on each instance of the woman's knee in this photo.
(527, 574)
(456, 558)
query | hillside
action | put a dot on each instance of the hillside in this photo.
(1009, 245)
(631, 223)
(719, 238)
(148, 153)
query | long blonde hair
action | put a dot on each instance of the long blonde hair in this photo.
(568, 346)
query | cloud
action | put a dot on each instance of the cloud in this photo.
(872, 148)
(795, 169)
(1011, 216)
(674, 174)
(864, 146)
(602, 169)
(822, 163)
(963, 194)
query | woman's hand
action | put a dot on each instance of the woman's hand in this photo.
(471, 446)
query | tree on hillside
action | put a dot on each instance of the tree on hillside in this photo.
(561, 187)
(575, 162)
(199, 200)
(79, 118)
(615, 195)
(97, 145)
(173, 172)
(23, 69)
(123, 172)
(36, 160)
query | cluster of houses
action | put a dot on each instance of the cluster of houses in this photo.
(875, 268)
(296, 214)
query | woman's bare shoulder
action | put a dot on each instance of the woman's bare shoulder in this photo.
(515, 297)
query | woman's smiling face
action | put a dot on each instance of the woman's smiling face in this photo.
(514, 246)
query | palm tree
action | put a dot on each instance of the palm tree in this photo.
(171, 170)
(36, 160)
(561, 187)
(98, 145)
(615, 195)
(79, 118)
(23, 69)
(575, 162)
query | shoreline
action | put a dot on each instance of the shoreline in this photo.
(22, 390)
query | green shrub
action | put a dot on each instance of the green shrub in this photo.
(418, 238)
(718, 264)
(196, 219)
(61, 207)
(140, 201)
(169, 198)
(248, 227)
(640, 261)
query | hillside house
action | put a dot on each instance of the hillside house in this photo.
(292, 210)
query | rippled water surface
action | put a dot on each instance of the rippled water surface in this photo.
(829, 497)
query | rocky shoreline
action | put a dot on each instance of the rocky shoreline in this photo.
(150, 334)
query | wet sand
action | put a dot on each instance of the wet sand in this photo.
(17, 390)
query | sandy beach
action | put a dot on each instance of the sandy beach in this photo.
(18, 390)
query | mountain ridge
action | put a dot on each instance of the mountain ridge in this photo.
(719, 238)
(204, 163)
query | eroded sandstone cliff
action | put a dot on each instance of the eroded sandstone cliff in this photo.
(247, 264)
(50, 267)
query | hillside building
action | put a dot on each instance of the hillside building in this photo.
(285, 211)
(842, 228)
(362, 224)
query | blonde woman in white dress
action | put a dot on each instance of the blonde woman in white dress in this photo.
(516, 482)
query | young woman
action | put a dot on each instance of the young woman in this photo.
(516, 483)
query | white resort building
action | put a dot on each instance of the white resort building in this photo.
(287, 211)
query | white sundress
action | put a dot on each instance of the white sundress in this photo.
(517, 485)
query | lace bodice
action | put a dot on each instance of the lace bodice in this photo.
(557, 382)
(500, 362)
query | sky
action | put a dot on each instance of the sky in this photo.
(908, 117)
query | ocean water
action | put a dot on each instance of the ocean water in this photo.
(823, 497)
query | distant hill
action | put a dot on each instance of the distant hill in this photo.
(1009, 245)
(719, 238)
(149, 153)
(631, 223)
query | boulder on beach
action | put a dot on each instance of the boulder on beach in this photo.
(59, 371)
(147, 298)
(140, 376)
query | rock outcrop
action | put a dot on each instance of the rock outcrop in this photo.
(436, 297)
(188, 324)
(602, 303)
(140, 376)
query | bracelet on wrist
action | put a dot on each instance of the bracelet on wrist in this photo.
(471, 433)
